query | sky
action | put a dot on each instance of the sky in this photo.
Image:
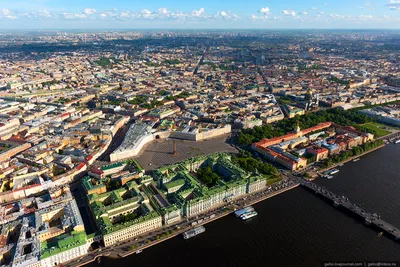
(205, 14)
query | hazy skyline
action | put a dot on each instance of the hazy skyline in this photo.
(272, 14)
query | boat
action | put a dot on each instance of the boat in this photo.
(139, 251)
(334, 171)
(248, 215)
(355, 160)
(193, 232)
(341, 165)
(397, 141)
(243, 211)
(329, 177)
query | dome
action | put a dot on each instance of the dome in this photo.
(309, 95)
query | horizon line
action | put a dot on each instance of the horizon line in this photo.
(192, 29)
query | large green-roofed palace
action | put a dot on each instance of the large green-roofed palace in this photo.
(172, 192)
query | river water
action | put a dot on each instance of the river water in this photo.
(297, 228)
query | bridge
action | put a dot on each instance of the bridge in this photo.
(372, 219)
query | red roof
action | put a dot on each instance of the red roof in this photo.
(286, 159)
(81, 166)
(96, 171)
(26, 187)
(318, 150)
(276, 140)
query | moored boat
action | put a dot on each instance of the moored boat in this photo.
(334, 171)
(193, 232)
(243, 211)
(248, 215)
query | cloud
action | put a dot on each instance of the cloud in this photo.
(164, 15)
(197, 13)
(89, 11)
(258, 18)
(145, 12)
(44, 13)
(6, 14)
(67, 15)
(124, 14)
(162, 10)
(254, 17)
(264, 10)
(314, 8)
(289, 13)
(225, 15)
(394, 5)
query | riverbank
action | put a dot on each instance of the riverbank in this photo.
(204, 222)
(318, 232)
(125, 250)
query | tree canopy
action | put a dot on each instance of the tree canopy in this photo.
(342, 117)
(207, 176)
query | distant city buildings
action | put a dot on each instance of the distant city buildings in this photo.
(388, 114)
(83, 109)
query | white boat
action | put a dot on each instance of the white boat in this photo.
(397, 141)
(248, 215)
(243, 211)
(334, 171)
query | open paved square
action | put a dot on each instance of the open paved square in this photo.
(159, 153)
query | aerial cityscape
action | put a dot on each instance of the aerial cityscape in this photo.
(254, 136)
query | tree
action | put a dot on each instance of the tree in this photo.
(245, 139)
(246, 162)
(207, 176)
(342, 117)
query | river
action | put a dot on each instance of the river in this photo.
(296, 228)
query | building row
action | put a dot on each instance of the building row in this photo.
(172, 193)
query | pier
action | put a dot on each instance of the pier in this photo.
(372, 219)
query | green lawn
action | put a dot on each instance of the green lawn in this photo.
(376, 128)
